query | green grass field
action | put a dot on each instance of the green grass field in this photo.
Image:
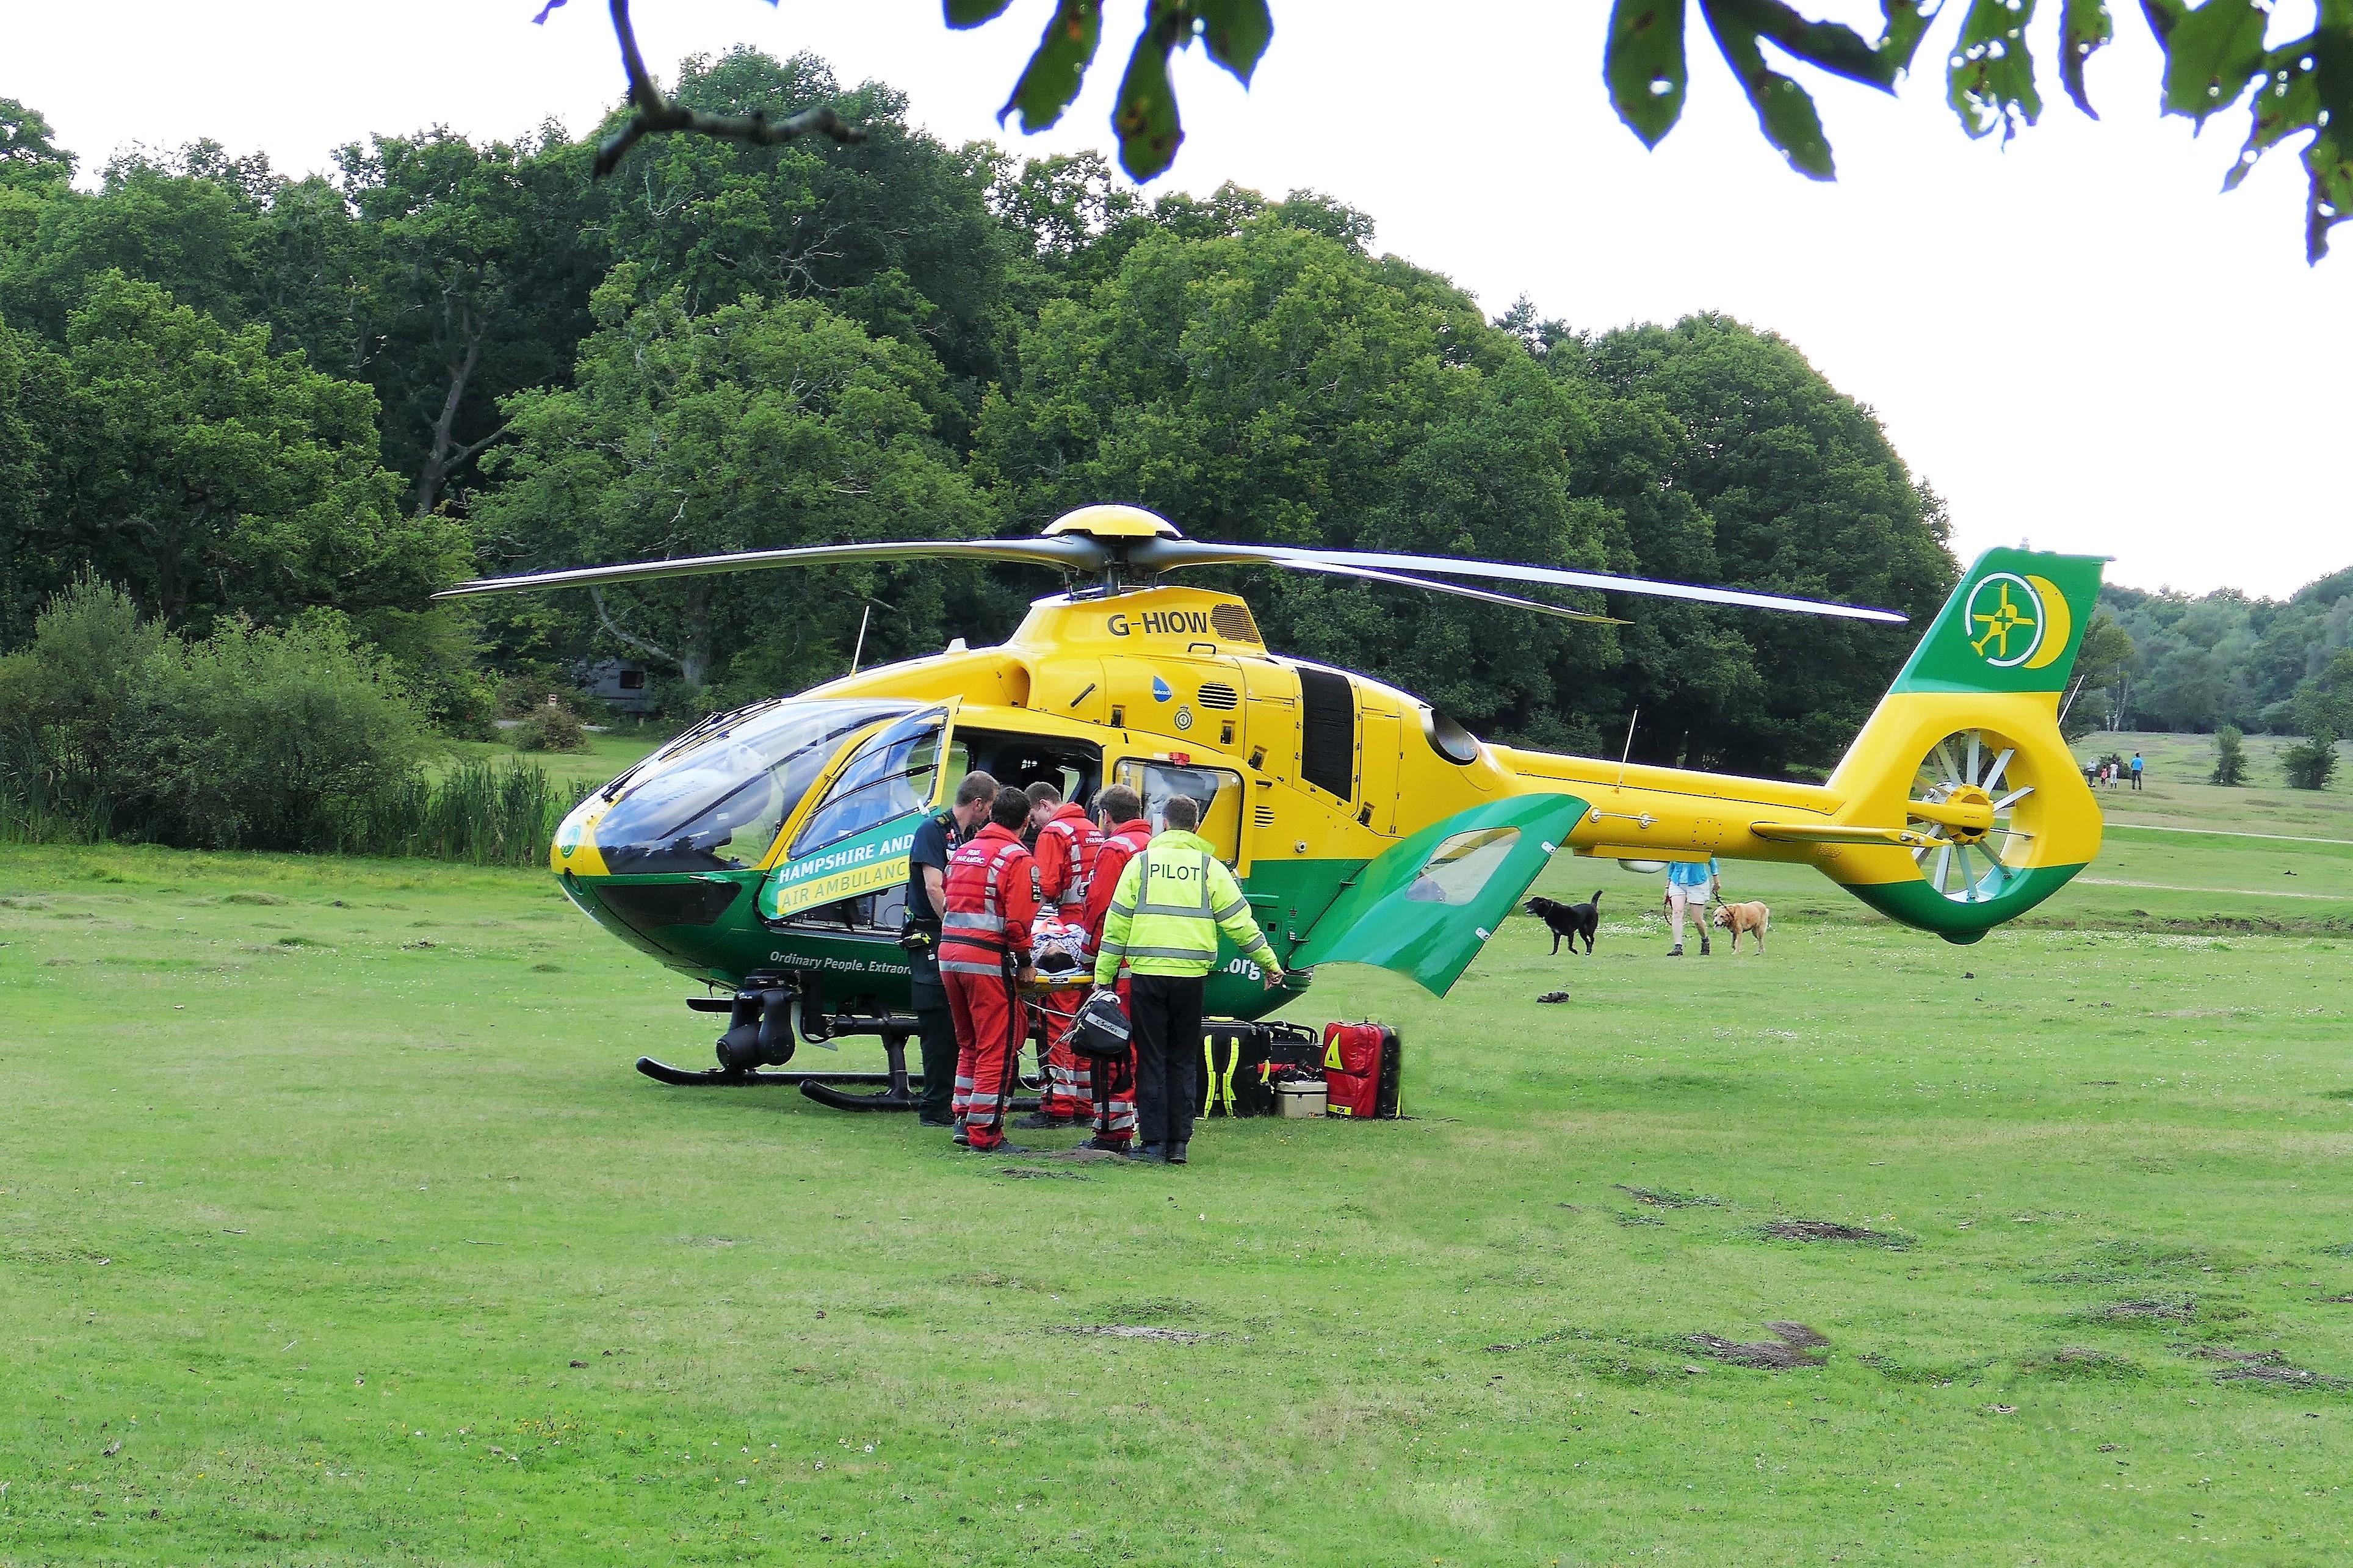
(336, 1228)
(609, 752)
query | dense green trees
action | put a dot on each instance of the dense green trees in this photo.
(1740, 464)
(1254, 372)
(238, 395)
(762, 424)
(2220, 659)
(209, 475)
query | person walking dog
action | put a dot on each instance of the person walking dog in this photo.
(1691, 886)
(1163, 923)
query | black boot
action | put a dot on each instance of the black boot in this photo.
(1703, 945)
(1176, 1155)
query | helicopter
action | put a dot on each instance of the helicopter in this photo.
(764, 851)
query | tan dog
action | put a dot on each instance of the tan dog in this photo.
(1738, 918)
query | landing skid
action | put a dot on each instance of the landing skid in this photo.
(750, 1078)
(905, 1094)
(760, 1031)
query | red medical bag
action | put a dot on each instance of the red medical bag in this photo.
(1363, 1064)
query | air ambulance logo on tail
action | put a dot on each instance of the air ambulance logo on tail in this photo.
(2018, 620)
(2013, 626)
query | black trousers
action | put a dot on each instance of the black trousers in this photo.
(935, 1035)
(1165, 1012)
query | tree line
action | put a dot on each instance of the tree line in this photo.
(2167, 661)
(244, 397)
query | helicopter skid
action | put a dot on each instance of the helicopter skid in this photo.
(821, 1087)
(725, 1078)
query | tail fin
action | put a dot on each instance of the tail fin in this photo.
(1961, 805)
(2013, 625)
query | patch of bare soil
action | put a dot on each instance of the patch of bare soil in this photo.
(1793, 1345)
(2158, 1309)
(1661, 1198)
(1029, 1173)
(2261, 1366)
(1554, 996)
(1139, 1331)
(2080, 1361)
(1830, 1230)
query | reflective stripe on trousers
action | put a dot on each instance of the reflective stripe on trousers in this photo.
(990, 1022)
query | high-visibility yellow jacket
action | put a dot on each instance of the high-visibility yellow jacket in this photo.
(1166, 911)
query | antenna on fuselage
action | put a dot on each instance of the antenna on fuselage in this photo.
(863, 616)
(1628, 751)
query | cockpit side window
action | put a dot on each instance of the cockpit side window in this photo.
(895, 772)
(1218, 790)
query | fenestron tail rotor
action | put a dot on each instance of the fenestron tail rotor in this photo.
(1122, 546)
(1976, 813)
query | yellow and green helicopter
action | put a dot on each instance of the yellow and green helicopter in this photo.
(765, 851)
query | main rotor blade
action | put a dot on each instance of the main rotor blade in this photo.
(1336, 570)
(1170, 554)
(1068, 553)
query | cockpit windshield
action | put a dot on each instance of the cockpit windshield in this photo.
(713, 801)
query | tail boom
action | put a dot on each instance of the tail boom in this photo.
(1959, 806)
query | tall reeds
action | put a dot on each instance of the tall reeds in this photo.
(479, 811)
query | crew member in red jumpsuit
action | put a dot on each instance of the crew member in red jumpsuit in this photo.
(1065, 851)
(984, 958)
(1124, 834)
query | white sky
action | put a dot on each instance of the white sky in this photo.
(2077, 338)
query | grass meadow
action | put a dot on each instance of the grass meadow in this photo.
(337, 1229)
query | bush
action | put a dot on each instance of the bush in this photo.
(2310, 763)
(548, 728)
(245, 739)
(2229, 757)
(534, 686)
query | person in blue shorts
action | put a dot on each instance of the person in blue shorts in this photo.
(1691, 885)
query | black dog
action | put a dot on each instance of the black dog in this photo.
(1570, 920)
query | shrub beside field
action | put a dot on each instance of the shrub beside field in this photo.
(245, 738)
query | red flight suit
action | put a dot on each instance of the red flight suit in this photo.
(1113, 1082)
(1066, 855)
(984, 938)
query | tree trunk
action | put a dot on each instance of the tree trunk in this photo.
(693, 660)
(694, 649)
(467, 330)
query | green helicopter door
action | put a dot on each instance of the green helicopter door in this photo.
(1427, 905)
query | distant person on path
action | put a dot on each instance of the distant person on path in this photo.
(1163, 922)
(1691, 884)
(927, 900)
(2136, 770)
